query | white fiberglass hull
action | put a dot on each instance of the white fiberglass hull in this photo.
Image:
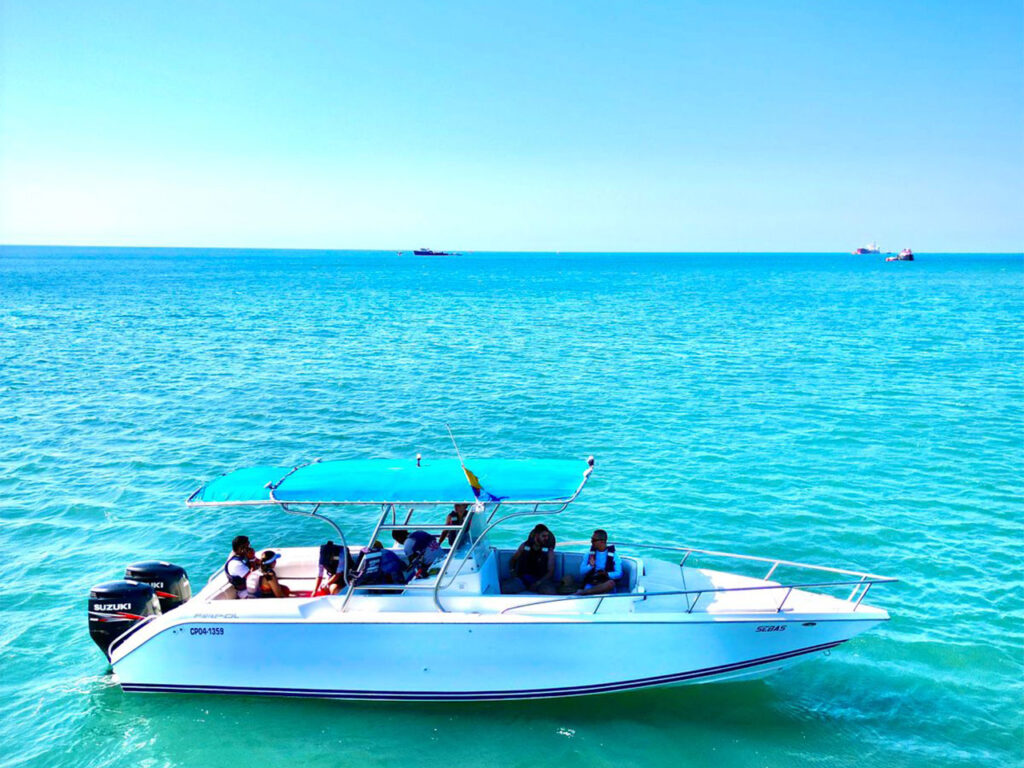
(432, 656)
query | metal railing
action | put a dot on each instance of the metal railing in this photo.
(860, 587)
(492, 523)
(711, 590)
(390, 509)
(534, 508)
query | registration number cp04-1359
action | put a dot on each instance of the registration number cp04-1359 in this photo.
(206, 631)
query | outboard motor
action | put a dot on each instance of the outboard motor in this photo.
(116, 606)
(169, 582)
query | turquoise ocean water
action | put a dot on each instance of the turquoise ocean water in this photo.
(828, 408)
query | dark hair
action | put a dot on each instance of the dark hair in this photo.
(537, 529)
(400, 535)
(600, 533)
(267, 561)
(330, 557)
(239, 544)
(455, 515)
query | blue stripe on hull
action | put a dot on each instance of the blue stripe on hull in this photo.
(533, 693)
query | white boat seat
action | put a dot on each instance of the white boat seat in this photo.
(569, 562)
(228, 593)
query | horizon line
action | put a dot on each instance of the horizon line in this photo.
(463, 251)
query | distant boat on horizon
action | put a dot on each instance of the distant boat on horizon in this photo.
(429, 252)
(905, 255)
(866, 249)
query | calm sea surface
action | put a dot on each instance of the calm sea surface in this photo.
(830, 408)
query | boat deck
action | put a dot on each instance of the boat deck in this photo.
(649, 587)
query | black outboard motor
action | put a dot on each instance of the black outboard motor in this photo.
(116, 606)
(169, 582)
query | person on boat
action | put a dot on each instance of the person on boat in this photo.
(600, 569)
(533, 564)
(379, 566)
(238, 566)
(456, 517)
(421, 549)
(263, 581)
(331, 568)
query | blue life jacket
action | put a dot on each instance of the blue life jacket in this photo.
(369, 566)
(379, 566)
(238, 582)
(392, 567)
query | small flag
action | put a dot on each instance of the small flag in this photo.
(474, 481)
(478, 489)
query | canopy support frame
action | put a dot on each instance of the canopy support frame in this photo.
(296, 508)
(315, 513)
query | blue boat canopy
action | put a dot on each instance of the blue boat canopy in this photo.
(385, 481)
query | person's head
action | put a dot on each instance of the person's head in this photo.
(461, 510)
(267, 561)
(599, 540)
(400, 536)
(330, 557)
(541, 536)
(240, 545)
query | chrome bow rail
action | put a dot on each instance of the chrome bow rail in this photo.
(860, 586)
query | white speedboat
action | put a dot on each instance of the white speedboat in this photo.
(451, 634)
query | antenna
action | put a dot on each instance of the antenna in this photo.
(473, 480)
(457, 451)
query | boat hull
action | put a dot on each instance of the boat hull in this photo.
(471, 658)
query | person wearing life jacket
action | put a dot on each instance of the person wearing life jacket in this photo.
(331, 573)
(600, 568)
(262, 581)
(379, 566)
(456, 517)
(238, 566)
(421, 550)
(532, 566)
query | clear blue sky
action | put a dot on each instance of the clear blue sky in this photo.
(514, 125)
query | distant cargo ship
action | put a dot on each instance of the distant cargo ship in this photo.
(871, 248)
(428, 252)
